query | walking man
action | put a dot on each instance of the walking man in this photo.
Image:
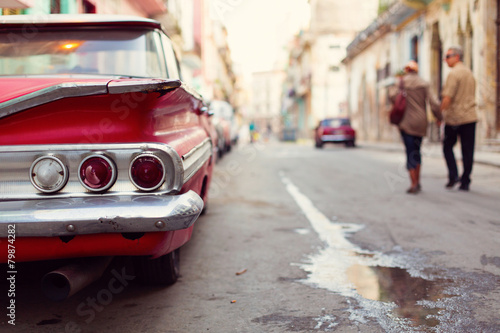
(458, 107)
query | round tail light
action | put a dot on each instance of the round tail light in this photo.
(147, 172)
(97, 173)
(48, 174)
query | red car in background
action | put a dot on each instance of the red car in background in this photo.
(104, 150)
(335, 130)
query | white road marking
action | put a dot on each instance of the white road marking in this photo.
(343, 267)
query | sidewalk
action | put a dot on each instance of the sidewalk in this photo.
(488, 155)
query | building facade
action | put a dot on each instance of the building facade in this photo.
(266, 100)
(334, 24)
(316, 76)
(422, 31)
(296, 103)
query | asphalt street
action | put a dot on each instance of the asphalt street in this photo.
(299, 239)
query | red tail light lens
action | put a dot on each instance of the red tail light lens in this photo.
(97, 173)
(147, 172)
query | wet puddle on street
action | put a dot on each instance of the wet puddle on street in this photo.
(390, 288)
(393, 284)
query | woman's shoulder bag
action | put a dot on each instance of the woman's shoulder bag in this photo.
(399, 106)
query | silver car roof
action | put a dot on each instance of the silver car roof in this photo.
(75, 19)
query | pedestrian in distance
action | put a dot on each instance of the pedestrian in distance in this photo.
(253, 131)
(458, 106)
(413, 126)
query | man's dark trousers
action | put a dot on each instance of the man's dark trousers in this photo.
(467, 133)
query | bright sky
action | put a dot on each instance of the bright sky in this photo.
(258, 30)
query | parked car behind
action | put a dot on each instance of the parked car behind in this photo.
(225, 124)
(335, 130)
(104, 150)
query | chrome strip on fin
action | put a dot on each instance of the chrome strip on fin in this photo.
(80, 89)
(195, 158)
(46, 95)
(150, 85)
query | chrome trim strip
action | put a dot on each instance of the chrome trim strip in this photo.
(196, 157)
(149, 85)
(49, 94)
(119, 214)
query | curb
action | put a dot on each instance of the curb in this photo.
(481, 157)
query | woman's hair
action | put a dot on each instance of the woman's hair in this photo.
(412, 66)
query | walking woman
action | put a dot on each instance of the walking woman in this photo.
(413, 126)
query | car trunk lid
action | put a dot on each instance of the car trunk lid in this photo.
(61, 111)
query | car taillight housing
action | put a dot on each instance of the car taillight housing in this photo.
(147, 172)
(48, 174)
(97, 173)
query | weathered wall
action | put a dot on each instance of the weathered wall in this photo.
(340, 16)
(367, 96)
(470, 23)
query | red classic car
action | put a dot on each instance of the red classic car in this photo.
(104, 151)
(335, 130)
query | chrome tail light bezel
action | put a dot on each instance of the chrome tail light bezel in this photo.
(61, 183)
(112, 179)
(147, 155)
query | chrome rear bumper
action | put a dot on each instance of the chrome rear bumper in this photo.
(337, 138)
(96, 215)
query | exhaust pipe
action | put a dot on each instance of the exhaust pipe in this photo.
(68, 280)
